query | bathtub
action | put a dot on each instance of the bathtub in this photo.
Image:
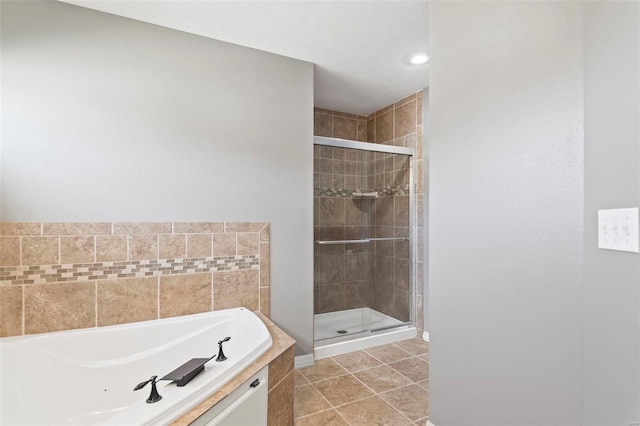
(87, 376)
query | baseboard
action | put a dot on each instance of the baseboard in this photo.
(429, 423)
(302, 361)
(425, 336)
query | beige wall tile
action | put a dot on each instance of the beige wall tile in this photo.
(330, 298)
(142, 247)
(77, 249)
(338, 153)
(185, 294)
(401, 280)
(198, 227)
(322, 110)
(224, 244)
(405, 100)
(401, 305)
(127, 300)
(265, 267)
(40, 250)
(280, 367)
(20, 228)
(59, 306)
(265, 301)
(111, 248)
(235, 289)
(265, 233)
(322, 125)
(344, 115)
(326, 152)
(405, 119)
(384, 127)
(244, 226)
(353, 212)
(74, 228)
(332, 211)
(280, 403)
(120, 228)
(383, 110)
(9, 251)
(371, 130)
(419, 173)
(331, 268)
(401, 210)
(362, 130)
(345, 128)
(199, 245)
(248, 243)
(357, 294)
(10, 311)
(172, 246)
(419, 100)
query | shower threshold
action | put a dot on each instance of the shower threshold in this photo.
(378, 329)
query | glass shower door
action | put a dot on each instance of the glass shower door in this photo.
(342, 267)
(362, 255)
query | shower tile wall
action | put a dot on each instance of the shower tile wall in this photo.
(342, 272)
(61, 276)
(398, 124)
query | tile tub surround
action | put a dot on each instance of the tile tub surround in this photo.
(386, 384)
(279, 358)
(61, 276)
(398, 124)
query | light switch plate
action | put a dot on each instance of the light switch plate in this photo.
(618, 230)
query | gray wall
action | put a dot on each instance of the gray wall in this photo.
(506, 219)
(110, 119)
(611, 378)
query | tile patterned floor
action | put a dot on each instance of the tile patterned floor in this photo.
(385, 385)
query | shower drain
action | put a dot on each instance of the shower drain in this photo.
(342, 331)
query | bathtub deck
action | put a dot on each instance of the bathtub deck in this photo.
(280, 360)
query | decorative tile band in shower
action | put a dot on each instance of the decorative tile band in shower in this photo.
(41, 274)
(345, 193)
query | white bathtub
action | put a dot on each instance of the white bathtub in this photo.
(87, 376)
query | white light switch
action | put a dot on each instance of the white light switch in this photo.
(618, 230)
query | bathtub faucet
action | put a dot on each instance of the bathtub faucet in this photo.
(221, 356)
(154, 396)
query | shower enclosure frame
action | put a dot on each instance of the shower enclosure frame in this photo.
(385, 149)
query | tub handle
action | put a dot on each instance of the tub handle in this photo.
(221, 356)
(154, 396)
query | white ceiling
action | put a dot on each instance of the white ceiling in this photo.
(359, 47)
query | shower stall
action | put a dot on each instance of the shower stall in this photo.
(364, 209)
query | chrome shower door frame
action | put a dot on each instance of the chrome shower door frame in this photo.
(390, 149)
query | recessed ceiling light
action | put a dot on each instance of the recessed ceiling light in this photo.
(418, 59)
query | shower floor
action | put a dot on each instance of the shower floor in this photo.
(353, 321)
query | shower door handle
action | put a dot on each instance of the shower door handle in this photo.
(390, 239)
(366, 240)
(343, 241)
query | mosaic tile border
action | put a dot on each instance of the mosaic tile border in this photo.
(42, 274)
(386, 191)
